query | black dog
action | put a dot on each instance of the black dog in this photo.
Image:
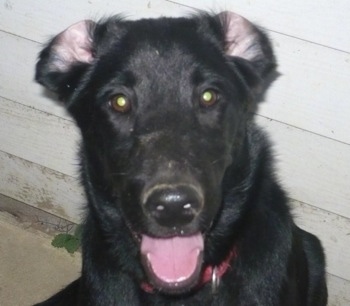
(183, 204)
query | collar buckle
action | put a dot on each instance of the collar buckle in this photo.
(215, 281)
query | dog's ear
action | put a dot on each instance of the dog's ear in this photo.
(249, 48)
(63, 61)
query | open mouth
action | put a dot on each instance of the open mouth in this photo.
(173, 264)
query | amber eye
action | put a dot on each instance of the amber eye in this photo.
(120, 103)
(208, 97)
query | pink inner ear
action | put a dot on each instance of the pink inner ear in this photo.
(241, 36)
(73, 45)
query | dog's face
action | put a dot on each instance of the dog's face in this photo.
(162, 106)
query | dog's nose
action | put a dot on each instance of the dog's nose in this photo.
(173, 206)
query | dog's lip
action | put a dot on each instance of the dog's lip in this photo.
(137, 236)
(175, 232)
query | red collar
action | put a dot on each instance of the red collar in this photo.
(208, 273)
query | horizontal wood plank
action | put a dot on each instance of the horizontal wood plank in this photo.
(338, 291)
(314, 169)
(312, 91)
(41, 187)
(323, 22)
(31, 217)
(313, 21)
(39, 137)
(37, 20)
(17, 75)
(334, 232)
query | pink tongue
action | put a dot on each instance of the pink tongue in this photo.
(172, 259)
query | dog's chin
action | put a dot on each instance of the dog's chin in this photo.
(173, 265)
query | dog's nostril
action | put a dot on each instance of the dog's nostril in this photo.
(173, 205)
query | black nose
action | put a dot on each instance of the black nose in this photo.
(173, 206)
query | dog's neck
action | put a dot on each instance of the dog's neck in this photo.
(210, 273)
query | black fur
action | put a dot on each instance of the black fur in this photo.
(163, 66)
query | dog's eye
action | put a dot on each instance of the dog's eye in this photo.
(120, 103)
(208, 97)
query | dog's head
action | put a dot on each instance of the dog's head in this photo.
(162, 105)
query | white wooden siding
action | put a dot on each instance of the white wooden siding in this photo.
(306, 111)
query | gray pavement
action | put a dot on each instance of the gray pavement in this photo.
(30, 268)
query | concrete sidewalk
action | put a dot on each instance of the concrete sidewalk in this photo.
(30, 268)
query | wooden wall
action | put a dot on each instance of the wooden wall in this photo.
(307, 110)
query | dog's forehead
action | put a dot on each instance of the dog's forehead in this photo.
(165, 46)
(165, 61)
(165, 37)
